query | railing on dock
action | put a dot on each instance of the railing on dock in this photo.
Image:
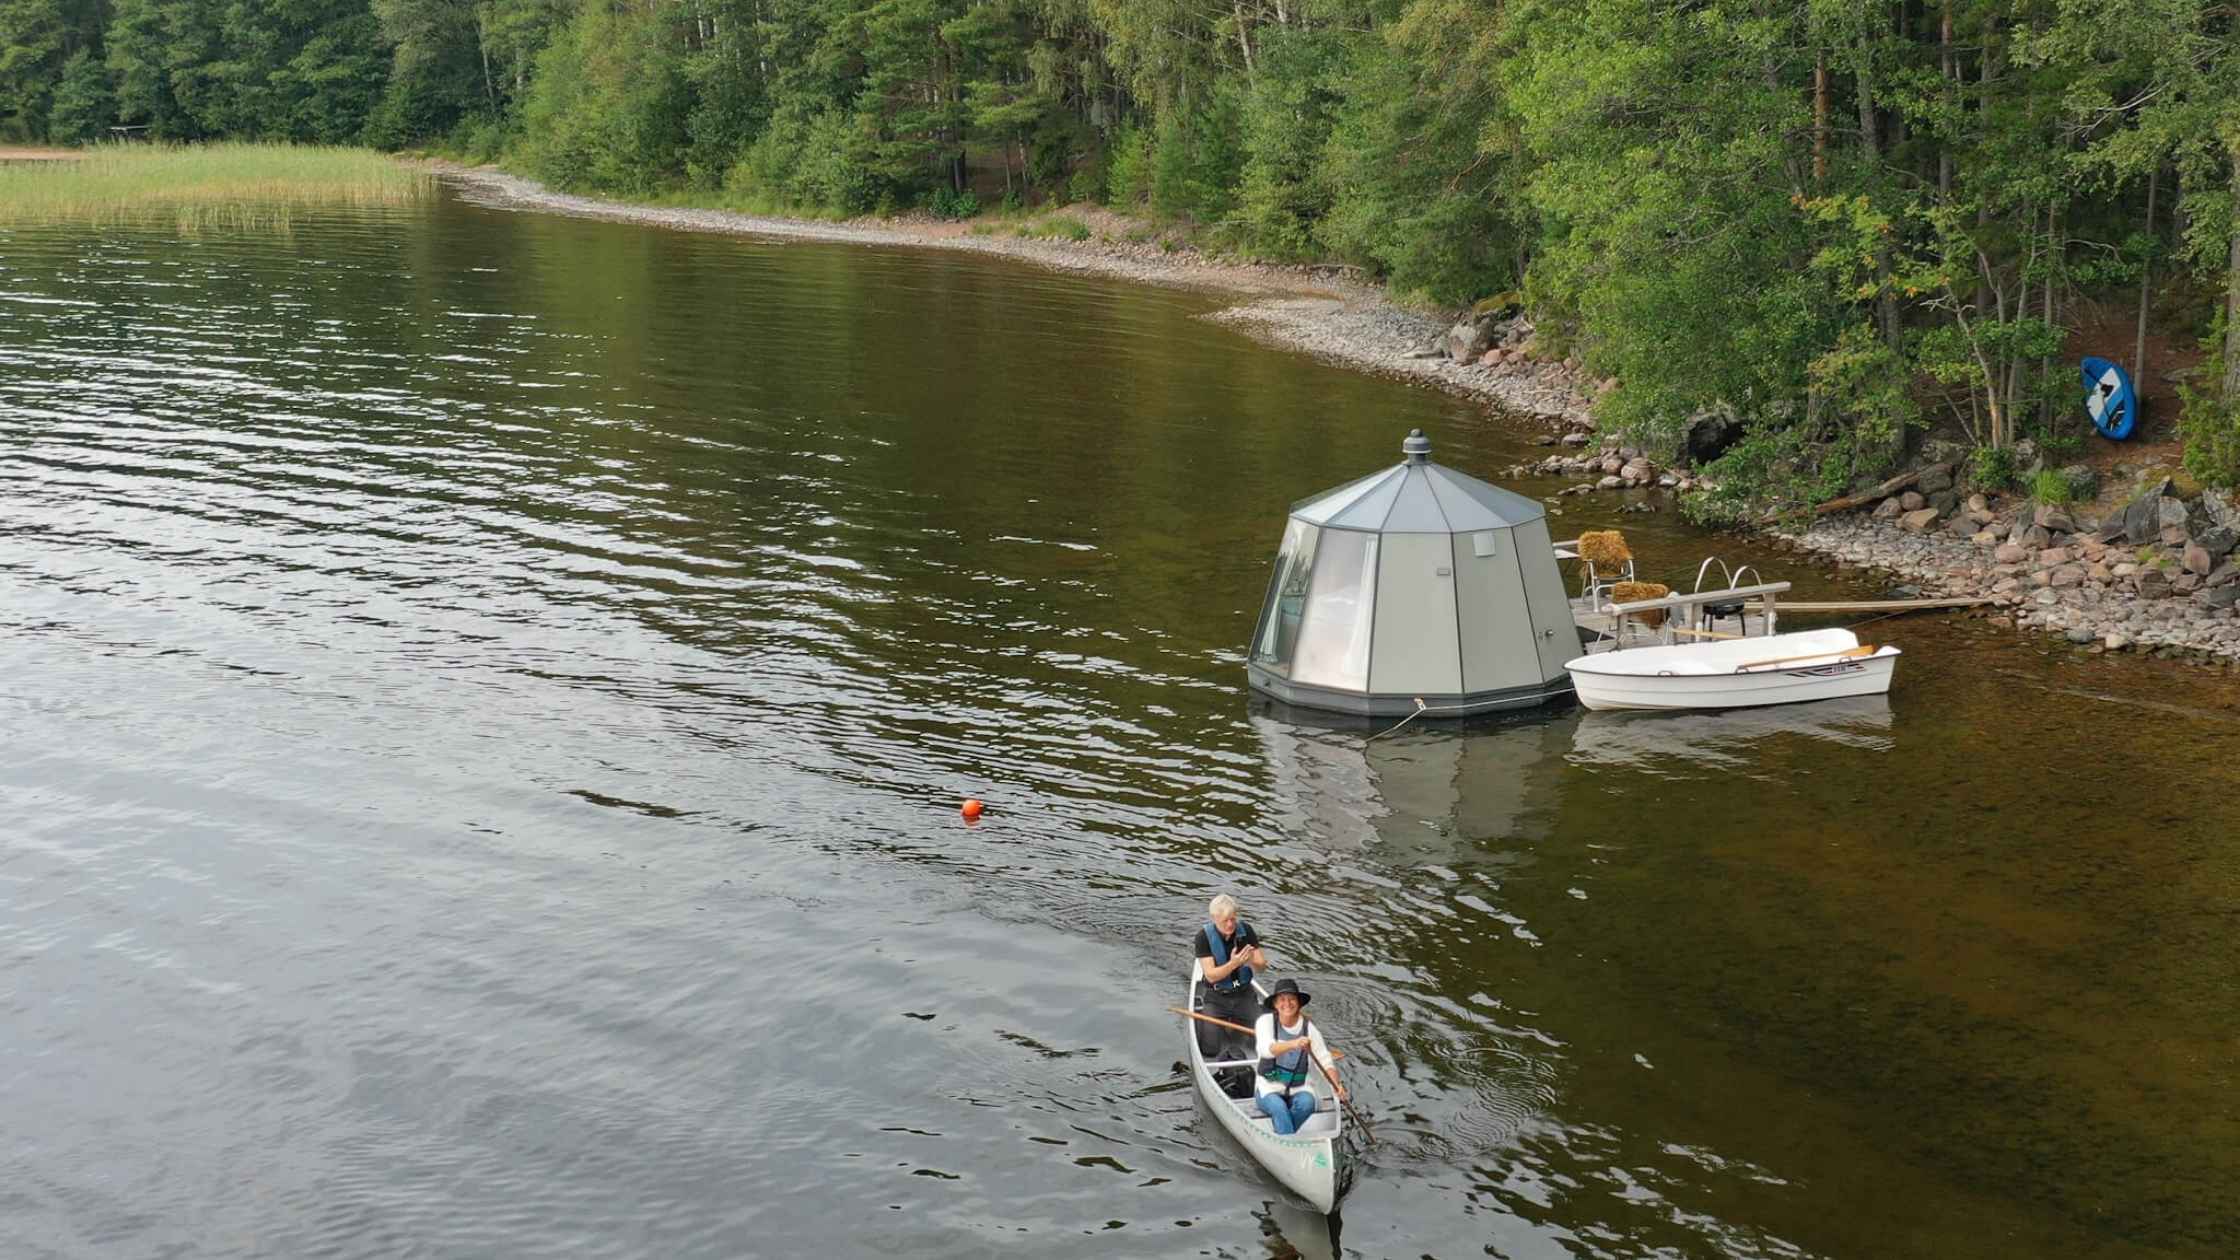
(1686, 615)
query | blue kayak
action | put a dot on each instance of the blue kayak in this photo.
(2108, 396)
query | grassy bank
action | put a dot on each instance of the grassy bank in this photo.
(198, 187)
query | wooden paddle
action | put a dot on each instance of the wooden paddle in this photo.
(1343, 1101)
(1864, 649)
(1335, 1054)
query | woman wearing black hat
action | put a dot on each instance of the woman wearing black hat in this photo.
(1282, 1040)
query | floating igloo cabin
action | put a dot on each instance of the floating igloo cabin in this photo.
(1415, 583)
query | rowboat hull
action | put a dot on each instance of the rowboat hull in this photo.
(1737, 674)
(1310, 1164)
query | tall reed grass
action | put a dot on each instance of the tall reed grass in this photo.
(203, 187)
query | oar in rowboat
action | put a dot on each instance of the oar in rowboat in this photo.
(1864, 649)
(1343, 1101)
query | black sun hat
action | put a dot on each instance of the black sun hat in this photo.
(1286, 986)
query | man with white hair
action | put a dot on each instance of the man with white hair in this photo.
(1227, 949)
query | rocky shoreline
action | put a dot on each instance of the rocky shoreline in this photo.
(2156, 575)
(1320, 311)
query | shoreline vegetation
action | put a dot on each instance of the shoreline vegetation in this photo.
(236, 186)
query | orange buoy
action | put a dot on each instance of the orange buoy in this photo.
(971, 809)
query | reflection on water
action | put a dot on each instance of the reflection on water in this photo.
(485, 703)
(1653, 743)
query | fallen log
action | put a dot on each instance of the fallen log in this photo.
(1896, 485)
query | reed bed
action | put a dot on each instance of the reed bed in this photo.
(203, 187)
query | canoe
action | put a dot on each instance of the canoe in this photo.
(1310, 1163)
(2109, 398)
(1735, 673)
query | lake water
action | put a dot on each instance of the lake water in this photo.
(483, 704)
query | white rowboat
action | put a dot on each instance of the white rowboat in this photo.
(1310, 1163)
(1735, 673)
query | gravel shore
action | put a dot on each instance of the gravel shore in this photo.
(2106, 593)
(1319, 311)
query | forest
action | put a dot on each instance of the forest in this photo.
(1849, 221)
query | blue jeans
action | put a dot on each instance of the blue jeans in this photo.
(1288, 1118)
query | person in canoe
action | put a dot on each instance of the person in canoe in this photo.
(1228, 949)
(1282, 1040)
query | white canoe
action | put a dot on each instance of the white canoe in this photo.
(1310, 1163)
(1735, 673)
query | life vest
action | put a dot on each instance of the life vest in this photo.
(1287, 1070)
(1239, 978)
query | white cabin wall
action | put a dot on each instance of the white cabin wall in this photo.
(1496, 625)
(1416, 649)
(1557, 635)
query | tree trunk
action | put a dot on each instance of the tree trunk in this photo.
(2232, 302)
(1944, 146)
(1886, 301)
(1244, 39)
(2055, 253)
(1819, 121)
(2012, 366)
(2146, 277)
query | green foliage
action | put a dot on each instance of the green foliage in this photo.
(1288, 112)
(943, 203)
(1128, 170)
(1087, 183)
(478, 138)
(823, 163)
(2049, 486)
(1992, 468)
(35, 37)
(1776, 465)
(2210, 425)
(83, 104)
(1062, 226)
(1194, 161)
(608, 107)
(1413, 194)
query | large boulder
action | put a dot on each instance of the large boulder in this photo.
(2221, 508)
(1469, 339)
(2142, 518)
(1934, 478)
(1917, 521)
(2054, 518)
(1889, 509)
(1708, 435)
(1944, 501)
(2218, 541)
(2083, 479)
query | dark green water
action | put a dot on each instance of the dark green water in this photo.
(484, 697)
